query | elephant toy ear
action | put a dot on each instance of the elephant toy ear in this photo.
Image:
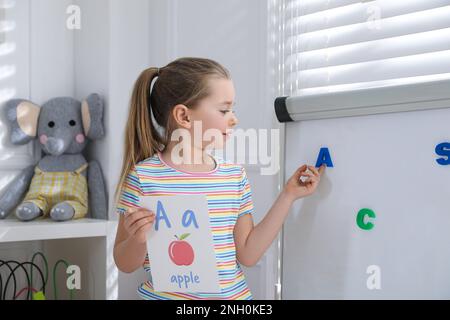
(92, 115)
(22, 116)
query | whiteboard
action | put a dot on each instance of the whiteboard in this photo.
(386, 163)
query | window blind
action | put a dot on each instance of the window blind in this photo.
(341, 45)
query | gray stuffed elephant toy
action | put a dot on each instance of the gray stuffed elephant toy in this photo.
(62, 184)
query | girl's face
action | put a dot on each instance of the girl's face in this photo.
(216, 115)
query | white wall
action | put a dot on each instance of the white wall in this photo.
(129, 36)
(14, 57)
(112, 48)
(42, 68)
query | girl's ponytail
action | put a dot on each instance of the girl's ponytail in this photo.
(141, 137)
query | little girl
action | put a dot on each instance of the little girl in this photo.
(189, 91)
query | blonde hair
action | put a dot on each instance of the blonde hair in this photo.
(183, 81)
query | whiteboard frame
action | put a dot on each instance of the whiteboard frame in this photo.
(399, 98)
(389, 99)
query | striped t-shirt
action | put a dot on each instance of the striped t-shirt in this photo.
(228, 196)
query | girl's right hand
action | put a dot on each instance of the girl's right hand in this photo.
(137, 223)
(297, 188)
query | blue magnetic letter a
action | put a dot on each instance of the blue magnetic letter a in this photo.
(324, 157)
(161, 214)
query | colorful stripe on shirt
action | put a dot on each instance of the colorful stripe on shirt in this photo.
(229, 197)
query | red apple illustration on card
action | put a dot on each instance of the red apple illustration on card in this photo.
(181, 252)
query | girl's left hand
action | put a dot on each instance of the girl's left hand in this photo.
(295, 188)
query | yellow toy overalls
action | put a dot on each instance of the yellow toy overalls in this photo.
(50, 188)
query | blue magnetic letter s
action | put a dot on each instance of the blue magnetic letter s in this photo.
(443, 149)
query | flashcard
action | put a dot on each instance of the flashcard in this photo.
(180, 245)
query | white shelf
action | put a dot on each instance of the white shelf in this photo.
(47, 229)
